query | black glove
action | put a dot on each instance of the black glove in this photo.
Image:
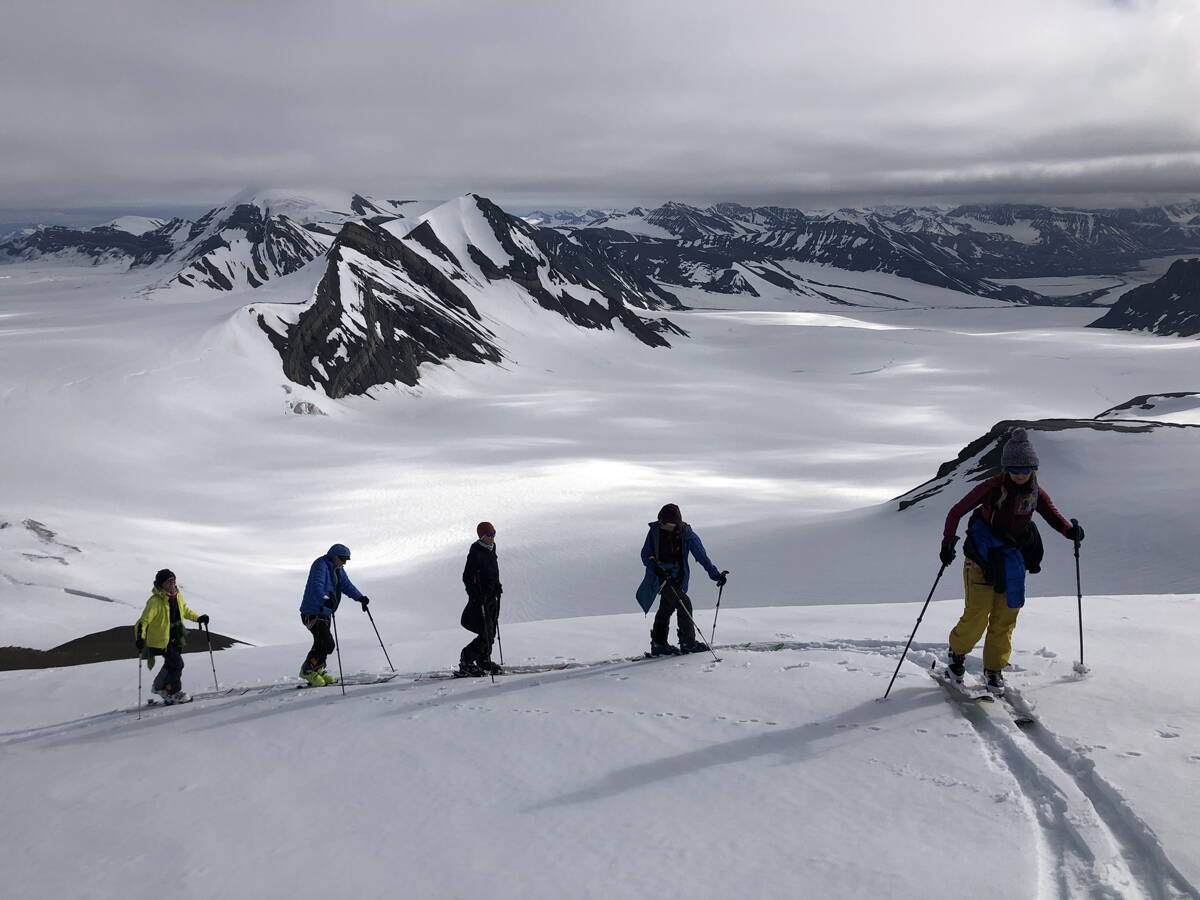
(947, 553)
(140, 644)
(1075, 533)
(364, 601)
(202, 620)
(722, 579)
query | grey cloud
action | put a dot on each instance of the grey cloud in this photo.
(532, 100)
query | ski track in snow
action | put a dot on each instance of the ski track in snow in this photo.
(1090, 842)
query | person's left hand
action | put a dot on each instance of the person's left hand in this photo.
(723, 578)
(364, 601)
(202, 620)
(1075, 533)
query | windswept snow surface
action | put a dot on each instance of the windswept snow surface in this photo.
(775, 773)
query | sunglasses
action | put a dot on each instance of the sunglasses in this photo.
(489, 534)
(1021, 470)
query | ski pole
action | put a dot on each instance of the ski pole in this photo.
(489, 632)
(338, 644)
(499, 643)
(1081, 668)
(139, 662)
(679, 598)
(383, 648)
(717, 611)
(914, 631)
(208, 637)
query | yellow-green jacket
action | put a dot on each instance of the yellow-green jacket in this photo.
(155, 622)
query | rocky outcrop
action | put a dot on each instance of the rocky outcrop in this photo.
(980, 459)
(379, 313)
(1169, 306)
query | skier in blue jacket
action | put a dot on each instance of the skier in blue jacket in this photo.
(665, 555)
(327, 582)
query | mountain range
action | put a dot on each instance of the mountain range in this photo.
(404, 283)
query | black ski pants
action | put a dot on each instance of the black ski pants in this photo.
(480, 649)
(672, 600)
(170, 676)
(322, 645)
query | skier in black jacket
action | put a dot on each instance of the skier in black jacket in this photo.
(481, 577)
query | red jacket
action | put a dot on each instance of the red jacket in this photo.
(1006, 520)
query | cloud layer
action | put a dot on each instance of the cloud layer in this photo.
(538, 100)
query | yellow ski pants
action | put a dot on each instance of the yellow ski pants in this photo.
(984, 610)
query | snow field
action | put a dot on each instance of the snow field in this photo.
(773, 772)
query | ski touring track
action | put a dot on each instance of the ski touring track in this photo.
(1090, 841)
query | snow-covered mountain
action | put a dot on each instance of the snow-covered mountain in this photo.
(962, 247)
(395, 296)
(103, 244)
(1168, 306)
(256, 236)
(261, 235)
(564, 218)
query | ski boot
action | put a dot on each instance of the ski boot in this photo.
(326, 678)
(179, 697)
(657, 649)
(492, 668)
(693, 646)
(958, 665)
(995, 681)
(313, 677)
(469, 669)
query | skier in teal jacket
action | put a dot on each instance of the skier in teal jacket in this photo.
(669, 543)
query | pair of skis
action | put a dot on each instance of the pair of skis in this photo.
(979, 694)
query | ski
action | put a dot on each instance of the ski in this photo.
(348, 681)
(1012, 704)
(446, 674)
(158, 701)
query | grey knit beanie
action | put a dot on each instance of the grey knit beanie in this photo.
(1018, 451)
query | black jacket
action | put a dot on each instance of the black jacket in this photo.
(481, 574)
(481, 577)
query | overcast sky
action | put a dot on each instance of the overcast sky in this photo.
(801, 102)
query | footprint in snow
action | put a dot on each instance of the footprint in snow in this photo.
(1131, 754)
(1163, 733)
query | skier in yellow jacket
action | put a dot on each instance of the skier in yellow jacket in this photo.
(160, 632)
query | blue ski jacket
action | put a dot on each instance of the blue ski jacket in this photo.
(986, 544)
(650, 586)
(325, 587)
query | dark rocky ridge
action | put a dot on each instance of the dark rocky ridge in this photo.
(99, 243)
(412, 314)
(980, 459)
(1169, 306)
(388, 304)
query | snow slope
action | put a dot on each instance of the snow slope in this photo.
(776, 772)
